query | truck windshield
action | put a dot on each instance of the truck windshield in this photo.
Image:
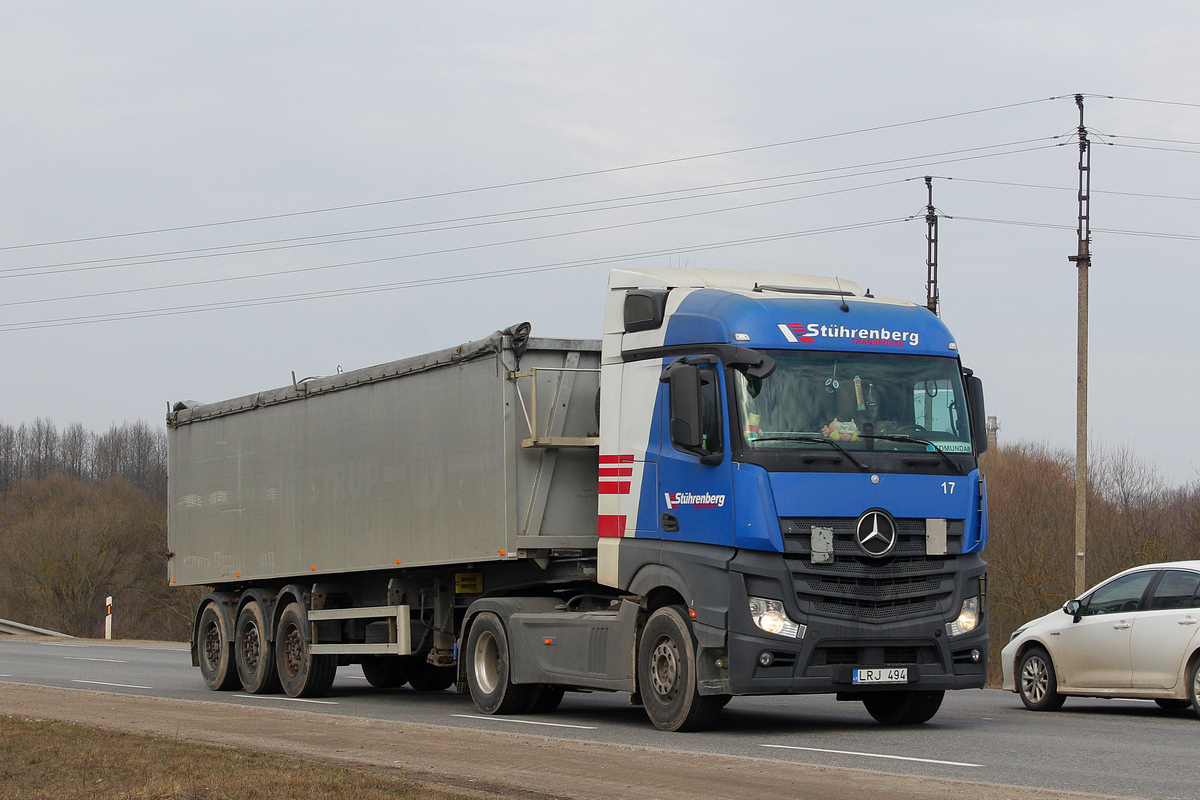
(880, 402)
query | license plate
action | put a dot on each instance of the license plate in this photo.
(898, 675)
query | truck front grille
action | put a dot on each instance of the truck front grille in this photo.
(905, 583)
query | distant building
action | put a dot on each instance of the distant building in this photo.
(993, 425)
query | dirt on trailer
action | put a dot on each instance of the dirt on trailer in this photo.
(479, 764)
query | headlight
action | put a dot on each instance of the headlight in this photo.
(1017, 632)
(968, 618)
(770, 616)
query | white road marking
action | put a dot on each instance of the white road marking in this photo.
(85, 658)
(289, 699)
(526, 722)
(59, 644)
(119, 685)
(873, 755)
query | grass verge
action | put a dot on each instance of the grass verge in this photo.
(47, 760)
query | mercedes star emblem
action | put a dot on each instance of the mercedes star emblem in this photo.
(875, 533)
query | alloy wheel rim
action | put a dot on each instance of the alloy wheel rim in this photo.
(1035, 680)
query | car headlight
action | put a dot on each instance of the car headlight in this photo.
(1018, 632)
(968, 618)
(770, 617)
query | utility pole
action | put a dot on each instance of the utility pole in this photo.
(932, 298)
(1083, 261)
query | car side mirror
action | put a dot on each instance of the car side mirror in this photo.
(1072, 607)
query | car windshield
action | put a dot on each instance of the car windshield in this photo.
(860, 401)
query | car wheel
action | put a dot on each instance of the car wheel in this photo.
(1036, 682)
(1194, 683)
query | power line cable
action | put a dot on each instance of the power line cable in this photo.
(98, 264)
(534, 181)
(303, 270)
(371, 289)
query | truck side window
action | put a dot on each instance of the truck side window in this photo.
(710, 411)
(695, 409)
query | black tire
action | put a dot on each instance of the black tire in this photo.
(666, 668)
(215, 651)
(301, 673)
(253, 654)
(384, 672)
(544, 699)
(426, 677)
(1173, 704)
(1036, 682)
(903, 707)
(1194, 683)
(488, 675)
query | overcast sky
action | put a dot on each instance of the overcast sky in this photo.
(294, 151)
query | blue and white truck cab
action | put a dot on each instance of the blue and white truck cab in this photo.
(796, 459)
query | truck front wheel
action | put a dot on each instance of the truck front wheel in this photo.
(301, 673)
(215, 651)
(903, 707)
(488, 673)
(253, 653)
(667, 674)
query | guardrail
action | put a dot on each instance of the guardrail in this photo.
(8, 626)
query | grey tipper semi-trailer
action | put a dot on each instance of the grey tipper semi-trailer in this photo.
(755, 483)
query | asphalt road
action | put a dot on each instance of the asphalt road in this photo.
(1100, 747)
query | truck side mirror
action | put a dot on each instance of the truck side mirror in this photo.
(978, 416)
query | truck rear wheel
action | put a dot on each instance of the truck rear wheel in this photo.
(488, 674)
(667, 674)
(384, 672)
(253, 653)
(903, 707)
(215, 651)
(301, 673)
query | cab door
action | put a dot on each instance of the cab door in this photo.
(694, 469)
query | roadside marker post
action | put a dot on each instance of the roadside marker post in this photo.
(108, 617)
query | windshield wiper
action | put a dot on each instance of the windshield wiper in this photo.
(899, 437)
(815, 440)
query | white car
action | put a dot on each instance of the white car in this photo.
(1137, 634)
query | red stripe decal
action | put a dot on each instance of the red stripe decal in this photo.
(616, 472)
(616, 459)
(612, 525)
(614, 487)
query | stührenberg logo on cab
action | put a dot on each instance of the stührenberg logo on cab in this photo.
(677, 499)
(809, 332)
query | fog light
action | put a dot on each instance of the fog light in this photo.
(766, 658)
(976, 656)
(968, 618)
(770, 617)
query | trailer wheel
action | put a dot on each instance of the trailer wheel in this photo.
(384, 672)
(903, 707)
(488, 674)
(253, 654)
(216, 651)
(667, 674)
(301, 673)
